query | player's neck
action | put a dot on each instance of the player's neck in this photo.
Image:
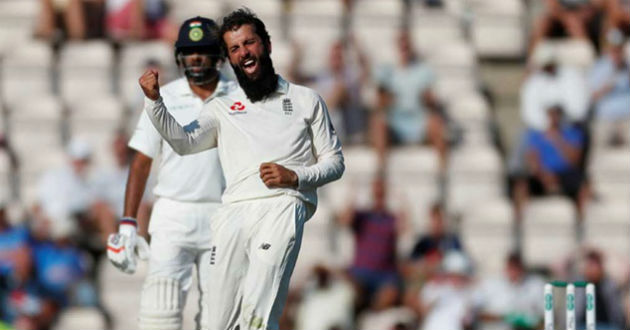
(204, 91)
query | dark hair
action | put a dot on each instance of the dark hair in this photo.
(594, 256)
(240, 17)
(515, 259)
(437, 207)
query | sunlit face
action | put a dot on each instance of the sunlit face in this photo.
(244, 50)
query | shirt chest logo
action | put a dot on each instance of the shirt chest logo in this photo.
(287, 107)
(237, 108)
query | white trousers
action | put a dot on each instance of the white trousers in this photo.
(180, 242)
(255, 247)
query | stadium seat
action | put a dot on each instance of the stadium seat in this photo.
(315, 42)
(476, 163)
(549, 228)
(455, 8)
(486, 230)
(607, 226)
(321, 12)
(26, 71)
(96, 120)
(452, 57)
(469, 109)
(137, 54)
(412, 164)
(133, 60)
(375, 24)
(602, 132)
(474, 174)
(96, 111)
(85, 68)
(377, 42)
(574, 53)
(449, 86)
(5, 174)
(18, 13)
(80, 318)
(213, 9)
(380, 12)
(432, 31)
(269, 11)
(610, 173)
(281, 56)
(33, 111)
(318, 245)
(361, 168)
(498, 29)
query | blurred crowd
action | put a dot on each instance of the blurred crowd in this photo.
(117, 20)
(50, 252)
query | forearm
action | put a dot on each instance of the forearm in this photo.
(324, 171)
(136, 184)
(189, 140)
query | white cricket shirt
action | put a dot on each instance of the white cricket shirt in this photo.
(291, 127)
(190, 178)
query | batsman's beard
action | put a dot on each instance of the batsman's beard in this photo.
(261, 87)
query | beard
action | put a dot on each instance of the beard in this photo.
(259, 88)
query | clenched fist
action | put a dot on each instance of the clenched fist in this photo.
(149, 84)
(278, 176)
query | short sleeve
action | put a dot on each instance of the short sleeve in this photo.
(146, 139)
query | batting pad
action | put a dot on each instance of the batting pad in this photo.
(161, 304)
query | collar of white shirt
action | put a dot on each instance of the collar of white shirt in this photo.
(223, 86)
(283, 86)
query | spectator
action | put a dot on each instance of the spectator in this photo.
(609, 312)
(376, 232)
(408, 111)
(386, 311)
(340, 84)
(67, 199)
(609, 82)
(553, 162)
(555, 84)
(618, 15)
(66, 194)
(446, 302)
(327, 302)
(574, 19)
(20, 303)
(137, 19)
(109, 189)
(58, 265)
(67, 15)
(513, 300)
(427, 253)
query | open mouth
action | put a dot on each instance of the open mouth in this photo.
(250, 66)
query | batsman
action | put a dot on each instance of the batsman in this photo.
(276, 146)
(188, 188)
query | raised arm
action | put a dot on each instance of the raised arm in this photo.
(326, 147)
(197, 136)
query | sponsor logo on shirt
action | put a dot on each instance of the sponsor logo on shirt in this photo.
(213, 255)
(287, 107)
(237, 108)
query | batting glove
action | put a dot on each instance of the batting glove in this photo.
(124, 246)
